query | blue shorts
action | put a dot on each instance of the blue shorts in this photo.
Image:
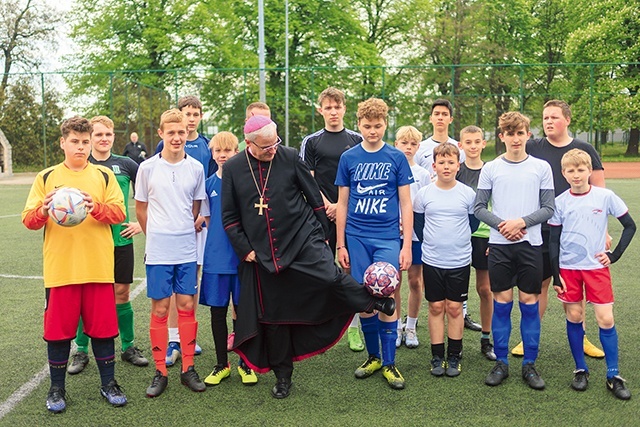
(216, 288)
(165, 280)
(364, 251)
(416, 253)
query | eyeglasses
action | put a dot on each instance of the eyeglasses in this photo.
(269, 147)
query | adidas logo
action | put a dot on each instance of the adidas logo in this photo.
(156, 348)
(214, 193)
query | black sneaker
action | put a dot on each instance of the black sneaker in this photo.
(191, 379)
(56, 402)
(438, 366)
(618, 388)
(113, 393)
(453, 366)
(486, 348)
(532, 377)
(498, 373)
(78, 362)
(158, 384)
(134, 356)
(472, 325)
(580, 380)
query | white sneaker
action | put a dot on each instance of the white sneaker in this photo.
(400, 338)
(411, 338)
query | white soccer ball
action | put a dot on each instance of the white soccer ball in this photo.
(67, 207)
(381, 279)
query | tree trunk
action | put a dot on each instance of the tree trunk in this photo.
(632, 148)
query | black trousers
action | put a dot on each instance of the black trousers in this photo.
(279, 351)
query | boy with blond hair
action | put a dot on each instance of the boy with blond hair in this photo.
(472, 143)
(80, 284)
(520, 189)
(580, 263)
(169, 190)
(220, 267)
(373, 180)
(408, 141)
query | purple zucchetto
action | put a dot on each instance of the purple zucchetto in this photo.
(255, 123)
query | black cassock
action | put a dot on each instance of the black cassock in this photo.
(295, 280)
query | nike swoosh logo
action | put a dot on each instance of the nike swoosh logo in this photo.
(410, 176)
(363, 190)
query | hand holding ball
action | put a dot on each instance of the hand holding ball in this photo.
(68, 207)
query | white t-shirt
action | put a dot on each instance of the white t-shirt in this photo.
(515, 193)
(170, 190)
(424, 155)
(584, 225)
(446, 233)
(421, 179)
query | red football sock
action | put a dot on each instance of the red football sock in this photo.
(188, 328)
(159, 334)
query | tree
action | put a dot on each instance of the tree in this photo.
(26, 29)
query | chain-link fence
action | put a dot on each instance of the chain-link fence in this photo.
(602, 96)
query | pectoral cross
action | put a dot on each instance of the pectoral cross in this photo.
(260, 206)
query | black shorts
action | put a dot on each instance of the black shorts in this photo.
(519, 261)
(546, 259)
(451, 284)
(479, 258)
(123, 272)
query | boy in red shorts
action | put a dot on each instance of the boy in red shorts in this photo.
(78, 262)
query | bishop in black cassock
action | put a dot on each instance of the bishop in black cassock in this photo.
(294, 302)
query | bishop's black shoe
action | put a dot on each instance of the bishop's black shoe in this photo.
(282, 388)
(386, 306)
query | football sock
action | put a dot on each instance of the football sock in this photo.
(371, 335)
(485, 335)
(575, 335)
(501, 329)
(58, 355)
(220, 331)
(82, 340)
(354, 321)
(125, 324)
(437, 350)
(609, 340)
(104, 352)
(411, 322)
(188, 331)
(530, 331)
(454, 347)
(388, 334)
(174, 335)
(158, 335)
(464, 308)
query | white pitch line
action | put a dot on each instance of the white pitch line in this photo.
(10, 216)
(15, 276)
(25, 390)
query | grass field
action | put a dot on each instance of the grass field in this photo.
(325, 391)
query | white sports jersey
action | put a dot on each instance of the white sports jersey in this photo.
(515, 193)
(421, 179)
(584, 225)
(170, 190)
(446, 233)
(424, 155)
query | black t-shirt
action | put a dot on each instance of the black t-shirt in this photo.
(468, 176)
(542, 149)
(321, 151)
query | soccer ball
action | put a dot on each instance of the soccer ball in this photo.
(381, 279)
(67, 207)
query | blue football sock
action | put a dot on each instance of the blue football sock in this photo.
(388, 334)
(609, 340)
(58, 354)
(371, 335)
(575, 335)
(501, 329)
(104, 352)
(530, 331)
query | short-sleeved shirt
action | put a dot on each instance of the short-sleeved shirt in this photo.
(170, 190)
(424, 155)
(470, 177)
(199, 150)
(373, 179)
(421, 179)
(447, 234)
(542, 149)
(515, 193)
(321, 151)
(125, 171)
(584, 219)
(219, 256)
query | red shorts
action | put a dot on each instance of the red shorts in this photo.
(64, 305)
(595, 285)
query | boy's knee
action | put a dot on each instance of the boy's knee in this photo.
(436, 308)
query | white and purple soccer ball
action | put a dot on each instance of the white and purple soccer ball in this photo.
(381, 279)
(67, 207)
